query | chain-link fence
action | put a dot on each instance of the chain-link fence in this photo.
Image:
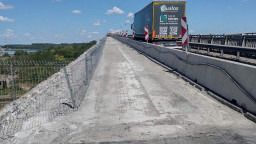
(45, 91)
(18, 77)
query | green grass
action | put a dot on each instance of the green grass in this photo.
(6, 91)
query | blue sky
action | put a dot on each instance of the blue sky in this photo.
(68, 21)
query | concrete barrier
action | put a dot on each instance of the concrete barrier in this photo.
(232, 80)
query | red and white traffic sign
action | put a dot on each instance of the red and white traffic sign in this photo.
(146, 33)
(184, 31)
(126, 34)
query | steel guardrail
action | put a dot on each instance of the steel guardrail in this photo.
(244, 39)
(225, 47)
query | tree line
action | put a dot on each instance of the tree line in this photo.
(36, 46)
(50, 52)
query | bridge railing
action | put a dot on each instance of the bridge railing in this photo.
(243, 40)
(240, 45)
(39, 98)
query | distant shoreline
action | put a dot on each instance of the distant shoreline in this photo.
(12, 51)
(7, 49)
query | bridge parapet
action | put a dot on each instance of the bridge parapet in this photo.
(231, 80)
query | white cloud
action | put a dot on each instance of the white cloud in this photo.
(96, 23)
(26, 34)
(244, 0)
(58, 0)
(104, 20)
(5, 19)
(130, 15)
(89, 36)
(29, 36)
(57, 35)
(76, 12)
(9, 33)
(114, 31)
(115, 10)
(83, 32)
(95, 32)
(128, 22)
(4, 7)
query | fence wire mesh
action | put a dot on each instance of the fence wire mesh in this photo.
(18, 77)
(33, 93)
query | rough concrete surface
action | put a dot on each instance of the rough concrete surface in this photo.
(232, 80)
(133, 100)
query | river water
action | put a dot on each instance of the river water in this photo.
(11, 52)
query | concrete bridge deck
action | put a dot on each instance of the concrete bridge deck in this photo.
(133, 100)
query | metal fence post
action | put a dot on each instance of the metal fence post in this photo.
(70, 89)
(12, 79)
(86, 69)
(91, 65)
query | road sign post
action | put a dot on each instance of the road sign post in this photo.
(184, 33)
(146, 33)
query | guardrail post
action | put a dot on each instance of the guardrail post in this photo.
(208, 51)
(243, 43)
(221, 53)
(70, 89)
(211, 39)
(238, 55)
(225, 40)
